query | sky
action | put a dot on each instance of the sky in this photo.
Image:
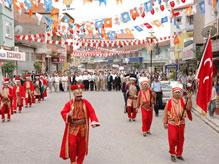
(93, 11)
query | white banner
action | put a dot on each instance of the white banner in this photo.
(12, 55)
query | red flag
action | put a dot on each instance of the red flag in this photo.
(204, 76)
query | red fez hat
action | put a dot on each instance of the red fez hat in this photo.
(77, 86)
(6, 80)
(17, 79)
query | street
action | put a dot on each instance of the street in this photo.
(34, 136)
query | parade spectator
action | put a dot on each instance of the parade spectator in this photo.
(109, 81)
(212, 104)
(56, 84)
(117, 82)
(157, 88)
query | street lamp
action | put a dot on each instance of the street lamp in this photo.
(150, 49)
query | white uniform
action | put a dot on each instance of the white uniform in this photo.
(64, 80)
(56, 80)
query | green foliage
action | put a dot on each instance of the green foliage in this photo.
(8, 68)
(38, 66)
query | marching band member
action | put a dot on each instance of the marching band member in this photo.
(175, 113)
(6, 100)
(76, 115)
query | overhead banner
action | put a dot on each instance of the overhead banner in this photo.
(12, 55)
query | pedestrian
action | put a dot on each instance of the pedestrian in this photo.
(175, 113)
(64, 80)
(29, 91)
(18, 96)
(212, 103)
(109, 81)
(56, 82)
(51, 82)
(132, 94)
(157, 88)
(76, 114)
(6, 100)
(125, 85)
(86, 80)
(92, 81)
(146, 101)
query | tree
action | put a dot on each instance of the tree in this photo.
(38, 66)
(8, 68)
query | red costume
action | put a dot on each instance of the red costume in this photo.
(29, 92)
(6, 100)
(132, 100)
(174, 116)
(76, 114)
(18, 96)
(145, 101)
(45, 84)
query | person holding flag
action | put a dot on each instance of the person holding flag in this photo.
(175, 113)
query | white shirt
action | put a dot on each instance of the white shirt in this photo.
(57, 79)
(78, 78)
(213, 94)
(64, 78)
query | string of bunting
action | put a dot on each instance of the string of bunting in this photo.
(42, 38)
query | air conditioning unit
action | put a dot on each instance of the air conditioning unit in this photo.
(16, 48)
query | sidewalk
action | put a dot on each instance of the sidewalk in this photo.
(213, 122)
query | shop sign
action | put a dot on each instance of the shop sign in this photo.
(12, 55)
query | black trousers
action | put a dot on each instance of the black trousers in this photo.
(91, 85)
(109, 86)
(158, 104)
(86, 85)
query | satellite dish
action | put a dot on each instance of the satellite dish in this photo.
(18, 29)
(208, 30)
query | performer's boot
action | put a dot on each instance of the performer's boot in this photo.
(173, 158)
(180, 158)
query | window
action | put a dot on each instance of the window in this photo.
(190, 19)
(8, 32)
(8, 4)
(179, 20)
(27, 56)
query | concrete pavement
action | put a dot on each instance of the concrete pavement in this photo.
(34, 136)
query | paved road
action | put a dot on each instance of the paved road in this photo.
(34, 136)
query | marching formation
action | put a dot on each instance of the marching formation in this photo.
(18, 92)
(145, 98)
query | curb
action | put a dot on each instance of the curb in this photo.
(209, 122)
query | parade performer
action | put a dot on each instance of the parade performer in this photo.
(146, 99)
(132, 94)
(6, 100)
(175, 113)
(76, 114)
(44, 86)
(18, 95)
(37, 88)
(29, 91)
